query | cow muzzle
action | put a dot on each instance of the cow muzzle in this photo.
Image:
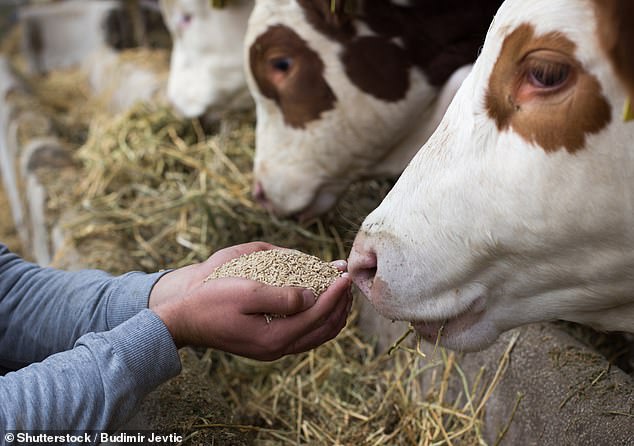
(321, 202)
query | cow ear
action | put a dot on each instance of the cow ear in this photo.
(616, 35)
(337, 13)
(167, 11)
(344, 9)
(166, 6)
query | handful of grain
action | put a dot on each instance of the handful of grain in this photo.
(278, 267)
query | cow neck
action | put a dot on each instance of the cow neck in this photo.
(436, 37)
(399, 156)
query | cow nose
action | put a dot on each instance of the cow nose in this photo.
(362, 266)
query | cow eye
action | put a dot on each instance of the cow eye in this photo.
(184, 20)
(282, 64)
(548, 74)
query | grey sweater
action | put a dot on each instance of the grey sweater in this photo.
(85, 348)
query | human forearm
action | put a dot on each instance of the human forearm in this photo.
(94, 386)
(44, 311)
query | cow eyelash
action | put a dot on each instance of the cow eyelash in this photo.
(548, 74)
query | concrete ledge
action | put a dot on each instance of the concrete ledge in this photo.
(41, 153)
(20, 164)
(8, 147)
(569, 393)
(555, 390)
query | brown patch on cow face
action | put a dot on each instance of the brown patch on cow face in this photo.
(378, 67)
(615, 19)
(289, 72)
(541, 91)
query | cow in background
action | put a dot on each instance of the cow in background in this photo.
(520, 207)
(206, 69)
(349, 90)
(57, 35)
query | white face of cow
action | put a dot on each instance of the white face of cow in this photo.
(206, 70)
(520, 207)
(339, 99)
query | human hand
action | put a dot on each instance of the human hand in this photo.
(227, 313)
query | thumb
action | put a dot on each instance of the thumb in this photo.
(278, 300)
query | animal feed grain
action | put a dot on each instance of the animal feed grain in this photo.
(278, 267)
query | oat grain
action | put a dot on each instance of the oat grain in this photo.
(278, 267)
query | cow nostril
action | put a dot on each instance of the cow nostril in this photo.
(259, 195)
(363, 268)
(367, 275)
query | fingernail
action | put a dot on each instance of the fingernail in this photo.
(309, 296)
(340, 264)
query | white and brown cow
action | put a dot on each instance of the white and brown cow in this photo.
(347, 90)
(206, 69)
(520, 207)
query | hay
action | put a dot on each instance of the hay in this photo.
(177, 195)
(154, 60)
(62, 96)
(343, 393)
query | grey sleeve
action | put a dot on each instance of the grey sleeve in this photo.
(96, 385)
(44, 311)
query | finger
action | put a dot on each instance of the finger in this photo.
(277, 300)
(304, 322)
(323, 333)
(294, 336)
(328, 301)
(341, 265)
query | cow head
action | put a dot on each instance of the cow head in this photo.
(347, 93)
(520, 207)
(206, 70)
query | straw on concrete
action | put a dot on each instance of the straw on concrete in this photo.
(344, 393)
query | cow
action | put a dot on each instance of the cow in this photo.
(206, 68)
(348, 90)
(59, 35)
(520, 207)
